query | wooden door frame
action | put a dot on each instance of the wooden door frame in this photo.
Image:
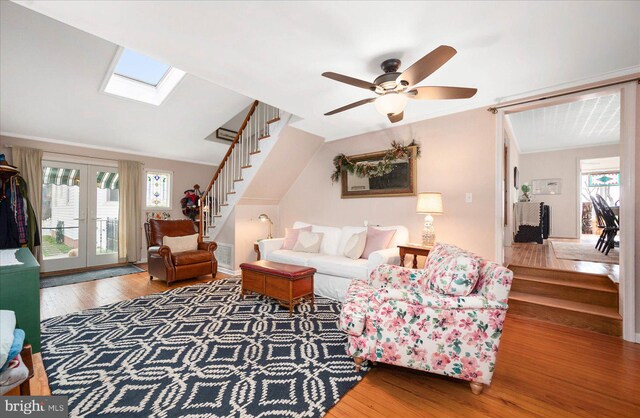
(628, 115)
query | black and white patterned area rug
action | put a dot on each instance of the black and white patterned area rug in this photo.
(199, 351)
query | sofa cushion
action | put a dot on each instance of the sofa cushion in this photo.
(346, 233)
(291, 236)
(401, 236)
(331, 237)
(338, 265)
(291, 257)
(308, 242)
(451, 271)
(377, 239)
(355, 245)
(190, 257)
(180, 244)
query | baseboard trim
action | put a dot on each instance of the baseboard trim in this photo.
(228, 271)
(638, 337)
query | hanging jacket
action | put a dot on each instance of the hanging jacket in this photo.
(8, 226)
(33, 235)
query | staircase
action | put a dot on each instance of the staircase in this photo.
(255, 139)
(581, 300)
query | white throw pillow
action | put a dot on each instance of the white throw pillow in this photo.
(355, 245)
(180, 244)
(308, 242)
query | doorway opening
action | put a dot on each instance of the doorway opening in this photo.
(599, 194)
(602, 122)
(80, 205)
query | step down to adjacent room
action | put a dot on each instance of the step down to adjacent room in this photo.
(581, 300)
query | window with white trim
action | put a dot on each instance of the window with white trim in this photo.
(138, 77)
(158, 189)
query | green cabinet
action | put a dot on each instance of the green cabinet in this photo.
(20, 291)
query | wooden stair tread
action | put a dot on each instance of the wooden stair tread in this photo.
(264, 137)
(546, 272)
(558, 282)
(565, 304)
(254, 152)
(246, 166)
(274, 120)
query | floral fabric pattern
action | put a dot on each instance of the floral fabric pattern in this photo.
(456, 274)
(395, 277)
(397, 319)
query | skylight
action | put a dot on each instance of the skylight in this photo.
(141, 68)
(137, 77)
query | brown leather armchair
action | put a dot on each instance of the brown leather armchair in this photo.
(177, 266)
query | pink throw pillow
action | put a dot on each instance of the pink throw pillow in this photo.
(377, 239)
(291, 236)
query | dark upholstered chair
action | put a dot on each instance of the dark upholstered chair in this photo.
(177, 266)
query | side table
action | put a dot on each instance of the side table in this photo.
(416, 250)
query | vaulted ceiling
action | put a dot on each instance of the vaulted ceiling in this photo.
(275, 51)
(50, 79)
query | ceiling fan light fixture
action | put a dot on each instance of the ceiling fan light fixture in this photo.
(391, 103)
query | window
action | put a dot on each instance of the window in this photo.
(158, 189)
(141, 68)
(113, 195)
(141, 78)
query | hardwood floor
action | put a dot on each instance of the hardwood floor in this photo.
(543, 369)
(61, 300)
(542, 255)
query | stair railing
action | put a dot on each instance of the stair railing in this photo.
(246, 143)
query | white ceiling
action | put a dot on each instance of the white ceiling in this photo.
(50, 78)
(583, 123)
(276, 51)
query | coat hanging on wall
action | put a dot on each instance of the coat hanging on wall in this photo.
(18, 223)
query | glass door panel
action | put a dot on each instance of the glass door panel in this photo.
(63, 216)
(104, 204)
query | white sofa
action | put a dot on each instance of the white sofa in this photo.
(334, 270)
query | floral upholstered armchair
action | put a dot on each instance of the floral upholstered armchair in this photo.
(445, 319)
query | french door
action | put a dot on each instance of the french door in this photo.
(80, 205)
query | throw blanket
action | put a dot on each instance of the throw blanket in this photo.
(527, 213)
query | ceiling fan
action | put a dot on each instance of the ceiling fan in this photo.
(394, 88)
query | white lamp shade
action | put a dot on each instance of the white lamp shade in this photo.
(429, 202)
(391, 103)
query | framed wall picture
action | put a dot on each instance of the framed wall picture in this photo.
(401, 181)
(546, 186)
(226, 134)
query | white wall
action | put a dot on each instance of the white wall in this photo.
(458, 156)
(242, 229)
(563, 164)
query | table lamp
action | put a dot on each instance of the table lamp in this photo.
(264, 218)
(429, 203)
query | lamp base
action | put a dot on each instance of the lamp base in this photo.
(428, 231)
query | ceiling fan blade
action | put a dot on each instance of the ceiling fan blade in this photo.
(396, 118)
(350, 80)
(350, 106)
(441, 93)
(426, 65)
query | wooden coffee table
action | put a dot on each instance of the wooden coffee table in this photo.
(285, 282)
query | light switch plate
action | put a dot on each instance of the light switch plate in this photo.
(468, 198)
